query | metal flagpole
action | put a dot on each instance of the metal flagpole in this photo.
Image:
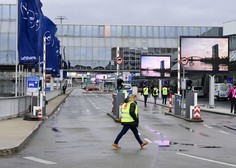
(16, 70)
(178, 69)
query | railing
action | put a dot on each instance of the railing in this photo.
(11, 107)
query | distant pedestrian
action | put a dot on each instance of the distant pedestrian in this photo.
(64, 88)
(164, 92)
(232, 98)
(155, 94)
(129, 120)
(145, 94)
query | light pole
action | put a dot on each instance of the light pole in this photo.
(61, 18)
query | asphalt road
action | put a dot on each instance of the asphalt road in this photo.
(80, 135)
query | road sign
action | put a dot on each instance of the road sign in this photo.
(32, 84)
(119, 60)
(184, 61)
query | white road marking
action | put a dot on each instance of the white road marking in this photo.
(207, 126)
(39, 160)
(208, 160)
(225, 132)
(147, 140)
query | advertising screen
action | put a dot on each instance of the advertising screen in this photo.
(155, 66)
(210, 54)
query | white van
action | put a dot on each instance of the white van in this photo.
(221, 90)
(198, 90)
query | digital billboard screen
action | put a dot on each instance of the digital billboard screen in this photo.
(210, 54)
(155, 66)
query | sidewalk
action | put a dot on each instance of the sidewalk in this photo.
(16, 132)
(203, 106)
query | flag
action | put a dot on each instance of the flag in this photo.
(48, 31)
(29, 25)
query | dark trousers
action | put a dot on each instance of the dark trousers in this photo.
(123, 132)
(64, 91)
(155, 99)
(145, 100)
(164, 98)
(233, 105)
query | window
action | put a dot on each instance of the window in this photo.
(156, 31)
(138, 31)
(119, 31)
(113, 31)
(144, 31)
(95, 31)
(6, 12)
(89, 31)
(150, 32)
(170, 31)
(70, 30)
(77, 31)
(83, 31)
(132, 31)
(125, 31)
(101, 31)
(162, 31)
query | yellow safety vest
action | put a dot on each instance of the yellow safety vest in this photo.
(145, 91)
(155, 89)
(164, 91)
(125, 115)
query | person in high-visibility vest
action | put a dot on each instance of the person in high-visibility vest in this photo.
(129, 120)
(145, 94)
(155, 94)
(164, 94)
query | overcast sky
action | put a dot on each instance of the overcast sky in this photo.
(141, 12)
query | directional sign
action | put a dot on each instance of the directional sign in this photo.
(32, 84)
(184, 61)
(119, 60)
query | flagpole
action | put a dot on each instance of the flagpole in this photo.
(16, 70)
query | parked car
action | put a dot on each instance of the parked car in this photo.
(221, 90)
(92, 88)
(198, 90)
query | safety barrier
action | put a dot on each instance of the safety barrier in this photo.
(196, 114)
(170, 103)
(112, 102)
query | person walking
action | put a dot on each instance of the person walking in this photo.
(164, 94)
(232, 98)
(155, 94)
(64, 89)
(145, 94)
(129, 120)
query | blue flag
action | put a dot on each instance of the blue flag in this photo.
(29, 25)
(48, 30)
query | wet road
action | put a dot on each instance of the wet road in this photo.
(81, 134)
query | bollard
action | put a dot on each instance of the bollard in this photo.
(170, 103)
(40, 114)
(196, 112)
(113, 101)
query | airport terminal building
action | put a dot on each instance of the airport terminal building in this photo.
(88, 48)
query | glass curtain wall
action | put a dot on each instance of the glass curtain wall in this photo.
(89, 47)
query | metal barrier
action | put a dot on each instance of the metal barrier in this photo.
(11, 107)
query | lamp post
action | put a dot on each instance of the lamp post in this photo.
(61, 18)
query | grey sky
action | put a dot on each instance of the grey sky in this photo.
(141, 12)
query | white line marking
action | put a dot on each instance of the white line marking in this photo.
(207, 126)
(208, 160)
(39, 160)
(147, 140)
(225, 132)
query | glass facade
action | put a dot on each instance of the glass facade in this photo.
(89, 47)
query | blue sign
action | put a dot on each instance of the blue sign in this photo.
(32, 84)
(230, 80)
